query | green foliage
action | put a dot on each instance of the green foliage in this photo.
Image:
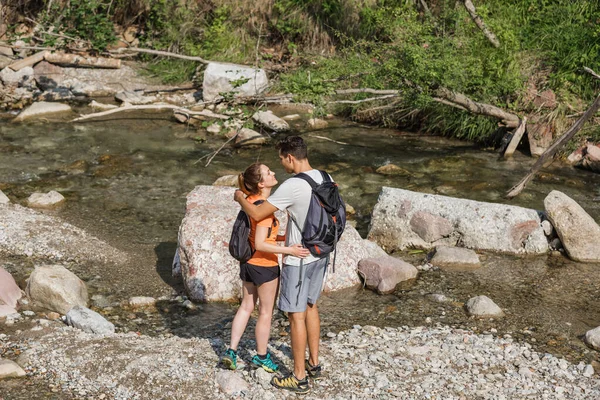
(83, 19)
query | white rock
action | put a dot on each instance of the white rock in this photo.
(88, 321)
(249, 137)
(577, 230)
(10, 369)
(142, 301)
(455, 258)
(10, 292)
(102, 106)
(42, 108)
(271, 121)
(291, 117)
(214, 129)
(483, 306)
(592, 338)
(3, 198)
(316, 123)
(227, 180)
(238, 79)
(56, 288)
(478, 225)
(23, 77)
(231, 383)
(45, 200)
(385, 273)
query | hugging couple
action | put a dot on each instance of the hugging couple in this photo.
(302, 274)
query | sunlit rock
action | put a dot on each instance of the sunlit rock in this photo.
(271, 121)
(475, 225)
(211, 274)
(10, 292)
(592, 338)
(45, 200)
(42, 108)
(484, 307)
(455, 258)
(231, 78)
(577, 230)
(384, 273)
(88, 321)
(10, 369)
(55, 288)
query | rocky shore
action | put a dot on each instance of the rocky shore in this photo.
(364, 362)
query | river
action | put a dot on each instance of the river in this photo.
(125, 181)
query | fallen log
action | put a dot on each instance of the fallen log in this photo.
(480, 24)
(514, 142)
(206, 113)
(461, 101)
(160, 53)
(28, 61)
(549, 153)
(74, 60)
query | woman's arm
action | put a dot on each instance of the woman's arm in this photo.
(260, 242)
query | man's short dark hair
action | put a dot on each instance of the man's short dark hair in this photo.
(293, 145)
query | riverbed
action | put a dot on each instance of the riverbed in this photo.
(125, 181)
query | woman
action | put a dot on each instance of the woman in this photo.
(260, 275)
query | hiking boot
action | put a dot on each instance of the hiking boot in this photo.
(229, 359)
(313, 371)
(265, 363)
(291, 383)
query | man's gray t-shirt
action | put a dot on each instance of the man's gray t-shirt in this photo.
(294, 196)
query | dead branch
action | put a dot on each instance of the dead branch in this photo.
(459, 99)
(28, 61)
(344, 77)
(326, 138)
(517, 135)
(479, 22)
(185, 111)
(74, 60)
(366, 90)
(591, 71)
(173, 89)
(237, 132)
(424, 6)
(160, 53)
(363, 100)
(549, 153)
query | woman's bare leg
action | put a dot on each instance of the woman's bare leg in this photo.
(238, 326)
(266, 294)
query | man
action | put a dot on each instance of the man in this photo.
(298, 294)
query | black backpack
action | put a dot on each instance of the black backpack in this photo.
(326, 217)
(239, 243)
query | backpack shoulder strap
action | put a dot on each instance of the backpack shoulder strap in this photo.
(257, 202)
(325, 176)
(307, 178)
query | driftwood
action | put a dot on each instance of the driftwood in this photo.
(161, 53)
(479, 22)
(549, 153)
(74, 60)
(365, 90)
(517, 135)
(29, 61)
(363, 100)
(181, 110)
(461, 101)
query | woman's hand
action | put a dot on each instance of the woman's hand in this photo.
(298, 251)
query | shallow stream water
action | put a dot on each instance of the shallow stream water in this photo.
(126, 179)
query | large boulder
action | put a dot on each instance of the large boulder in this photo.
(26, 232)
(384, 273)
(232, 78)
(55, 288)
(211, 274)
(404, 219)
(577, 230)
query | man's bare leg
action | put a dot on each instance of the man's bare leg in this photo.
(298, 336)
(313, 332)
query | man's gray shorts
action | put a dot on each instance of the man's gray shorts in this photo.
(294, 297)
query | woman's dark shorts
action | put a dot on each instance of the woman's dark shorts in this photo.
(258, 275)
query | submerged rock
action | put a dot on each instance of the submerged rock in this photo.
(271, 121)
(455, 259)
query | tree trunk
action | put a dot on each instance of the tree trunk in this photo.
(74, 60)
(479, 22)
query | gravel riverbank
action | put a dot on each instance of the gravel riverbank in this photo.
(364, 362)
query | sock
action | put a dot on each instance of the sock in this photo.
(262, 356)
(234, 351)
